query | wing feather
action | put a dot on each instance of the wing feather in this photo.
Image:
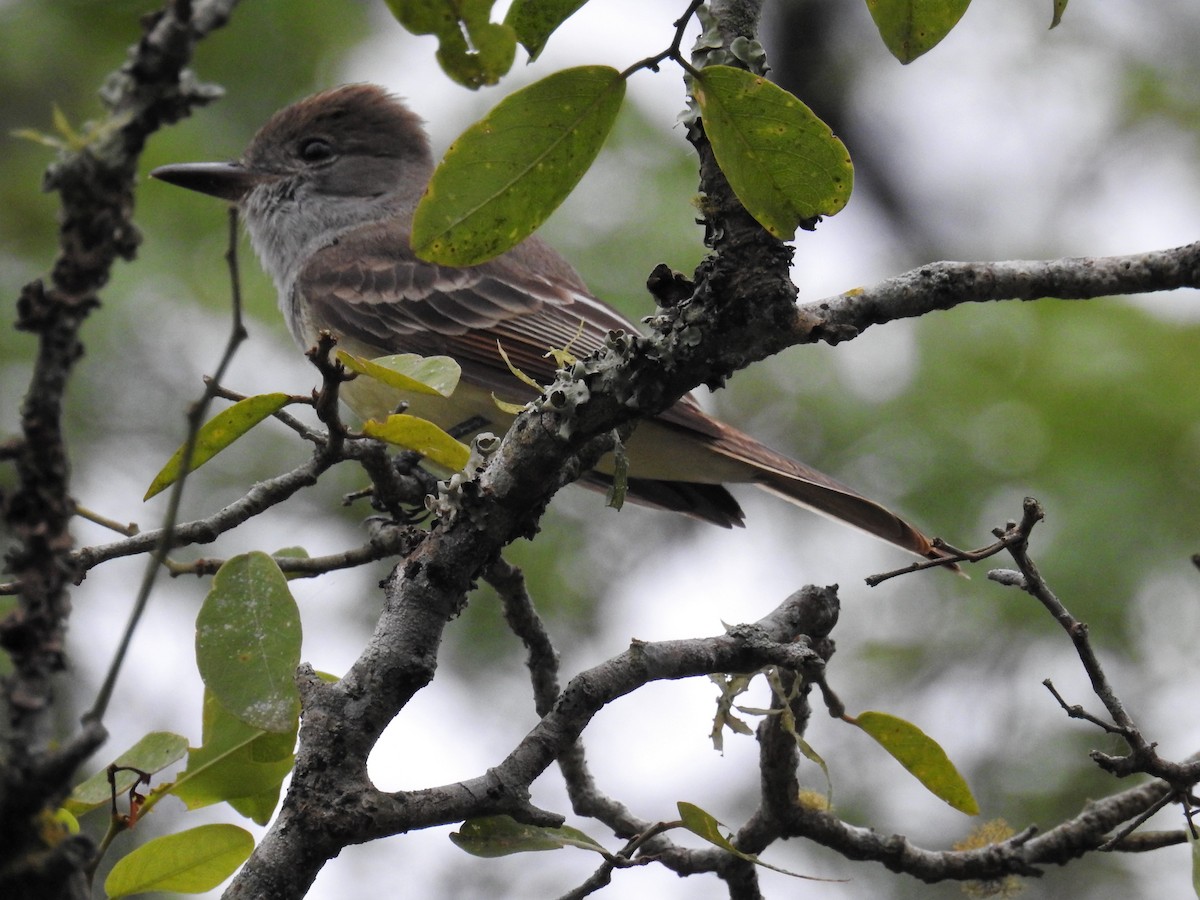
(370, 290)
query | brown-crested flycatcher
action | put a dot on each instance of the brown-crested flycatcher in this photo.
(328, 187)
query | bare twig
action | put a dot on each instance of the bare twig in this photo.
(95, 183)
(195, 419)
(386, 543)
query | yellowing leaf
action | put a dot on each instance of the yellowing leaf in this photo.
(564, 357)
(434, 375)
(921, 755)
(705, 825)
(783, 162)
(63, 126)
(513, 409)
(216, 434)
(39, 137)
(521, 376)
(422, 436)
(189, 862)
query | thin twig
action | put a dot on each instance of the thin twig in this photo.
(394, 541)
(673, 52)
(195, 418)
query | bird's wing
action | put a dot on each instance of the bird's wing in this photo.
(371, 288)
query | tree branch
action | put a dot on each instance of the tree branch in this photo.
(95, 184)
(331, 762)
(944, 285)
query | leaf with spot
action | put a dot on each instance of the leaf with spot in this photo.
(535, 20)
(911, 28)
(781, 160)
(1060, 7)
(248, 642)
(505, 174)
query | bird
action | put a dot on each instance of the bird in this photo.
(327, 189)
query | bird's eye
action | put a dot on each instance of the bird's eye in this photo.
(315, 150)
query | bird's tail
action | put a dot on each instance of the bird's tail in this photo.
(799, 484)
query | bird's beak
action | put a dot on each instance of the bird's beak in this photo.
(228, 181)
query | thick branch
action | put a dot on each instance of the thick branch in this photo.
(96, 229)
(944, 285)
(310, 828)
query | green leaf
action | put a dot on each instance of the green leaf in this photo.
(503, 835)
(290, 553)
(248, 642)
(7, 605)
(472, 49)
(153, 753)
(911, 28)
(434, 375)
(620, 477)
(423, 436)
(1060, 7)
(505, 174)
(783, 162)
(216, 434)
(190, 862)
(921, 755)
(535, 20)
(705, 825)
(237, 764)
